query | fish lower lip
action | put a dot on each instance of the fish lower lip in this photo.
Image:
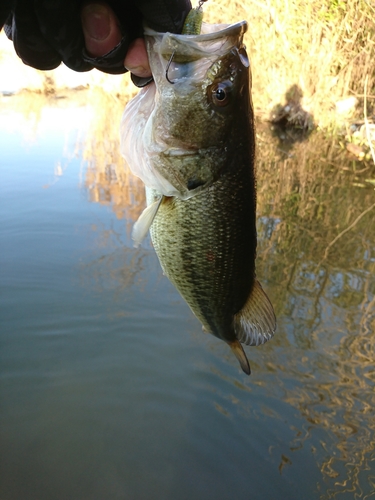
(180, 152)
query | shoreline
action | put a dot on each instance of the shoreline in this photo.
(292, 115)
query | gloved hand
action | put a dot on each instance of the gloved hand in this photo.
(44, 33)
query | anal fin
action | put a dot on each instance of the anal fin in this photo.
(255, 323)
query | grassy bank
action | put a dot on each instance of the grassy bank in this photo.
(320, 52)
(317, 55)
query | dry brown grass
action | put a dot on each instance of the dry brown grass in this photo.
(326, 47)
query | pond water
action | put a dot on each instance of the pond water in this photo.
(108, 387)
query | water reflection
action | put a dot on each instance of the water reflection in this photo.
(107, 179)
(325, 299)
(290, 121)
(312, 390)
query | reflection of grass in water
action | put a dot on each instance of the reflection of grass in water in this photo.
(30, 106)
(108, 179)
(306, 201)
(319, 190)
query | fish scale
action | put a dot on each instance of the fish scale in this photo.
(206, 245)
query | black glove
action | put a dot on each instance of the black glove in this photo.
(44, 33)
(6, 7)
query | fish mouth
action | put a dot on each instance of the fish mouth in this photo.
(180, 152)
(210, 33)
(188, 150)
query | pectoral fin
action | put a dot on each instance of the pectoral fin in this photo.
(255, 323)
(144, 222)
(238, 351)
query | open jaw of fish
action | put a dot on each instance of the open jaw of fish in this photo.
(190, 137)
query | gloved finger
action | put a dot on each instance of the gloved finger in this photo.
(112, 62)
(6, 7)
(28, 41)
(60, 25)
(101, 28)
(105, 45)
(161, 15)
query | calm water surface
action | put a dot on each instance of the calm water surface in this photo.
(110, 390)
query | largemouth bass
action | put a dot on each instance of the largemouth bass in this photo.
(193, 144)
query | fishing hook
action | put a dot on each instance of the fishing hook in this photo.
(167, 68)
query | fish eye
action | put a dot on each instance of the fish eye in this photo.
(220, 93)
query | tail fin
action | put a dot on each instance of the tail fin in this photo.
(238, 351)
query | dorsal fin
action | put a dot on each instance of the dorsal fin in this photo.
(255, 323)
(144, 222)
